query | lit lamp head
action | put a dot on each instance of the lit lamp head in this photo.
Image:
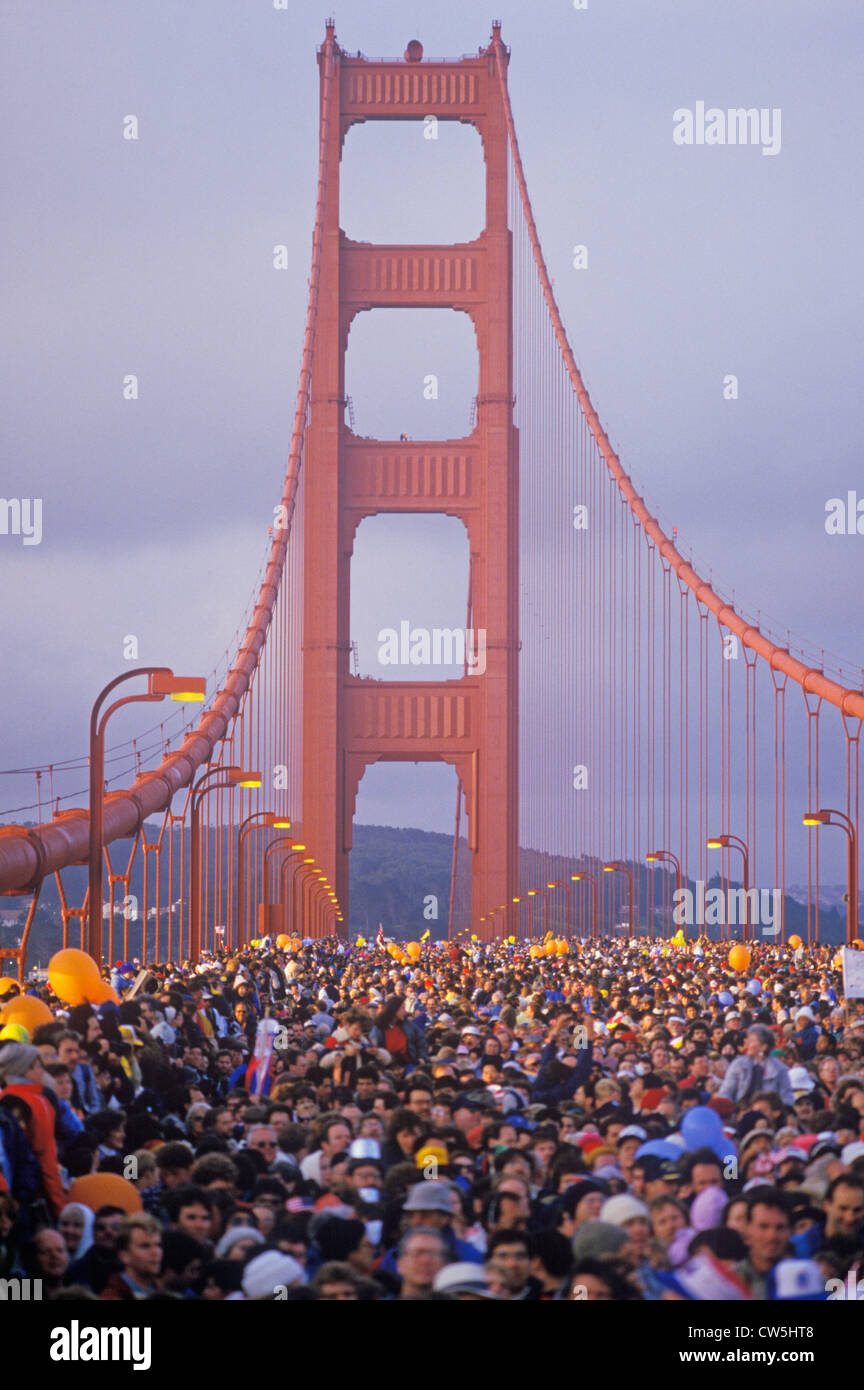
(185, 689)
(816, 818)
(651, 858)
(717, 842)
(240, 777)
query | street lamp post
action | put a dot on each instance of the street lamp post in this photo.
(293, 847)
(665, 856)
(231, 777)
(531, 895)
(823, 817)
(302, 875)
(589, 878)
(617, 866)
(161, 681)
(259, 820)
(728, 841)
(550, 888)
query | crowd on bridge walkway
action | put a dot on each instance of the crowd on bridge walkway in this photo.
(629, 1121)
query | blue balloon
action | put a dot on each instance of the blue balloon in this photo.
(659, 1148)
(702, 1128)
(725, 998)
(724, 1148)
(754, 987)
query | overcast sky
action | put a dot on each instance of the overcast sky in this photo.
(155, 257)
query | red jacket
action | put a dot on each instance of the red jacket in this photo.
(40, 1132)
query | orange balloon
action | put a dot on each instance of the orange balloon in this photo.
(536, 952)
(795, 942)
(562, 948)
(296, 943)
(414, 949)
(69, 974)
(7, 983)
(283, 941)
(97, 1190)
(101, 993)
(26, 1010)
(739, 958)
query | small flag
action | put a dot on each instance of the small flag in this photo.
(259, 1067)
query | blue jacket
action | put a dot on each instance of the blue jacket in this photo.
(543, 1092)
(67, 1126)
(88, 1092)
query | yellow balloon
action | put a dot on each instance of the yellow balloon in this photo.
(101, 992)
(70, 973)
(26, 1010)
(15, 1032)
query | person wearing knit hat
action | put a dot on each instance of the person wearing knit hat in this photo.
(595, 1239)
(620, 1210)
(267, 1274)
(235, 1236)
(630, 1215)
(581, 1202)
(18, 1060)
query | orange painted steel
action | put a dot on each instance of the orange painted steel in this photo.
(471, 723)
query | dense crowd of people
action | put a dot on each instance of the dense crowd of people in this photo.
(627, 1121)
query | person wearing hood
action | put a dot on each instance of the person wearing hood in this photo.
(76, 1228)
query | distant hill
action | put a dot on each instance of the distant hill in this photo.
(401, 878)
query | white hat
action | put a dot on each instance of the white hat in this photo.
(852, 1151)
(633, 1132)
(463, 1277)
(270, 1271)
(617, 1211)
(801, 1080)
(804, 1012)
